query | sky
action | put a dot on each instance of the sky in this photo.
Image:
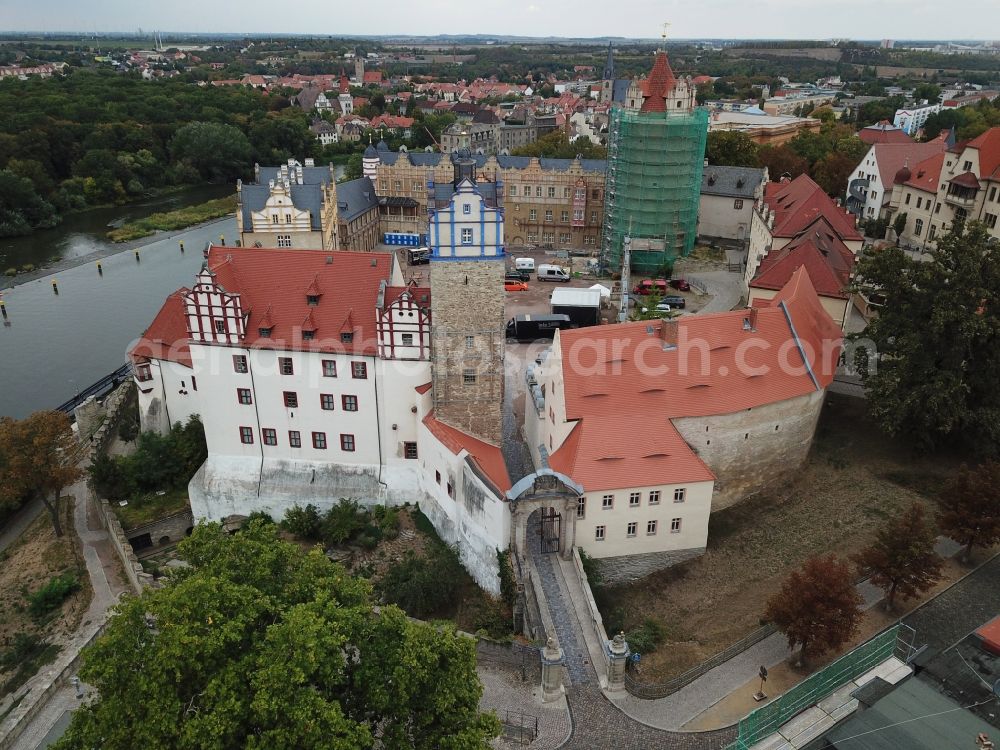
(690, 19)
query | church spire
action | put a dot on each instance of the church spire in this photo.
(609, 65)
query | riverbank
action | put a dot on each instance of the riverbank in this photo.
(64, 264)
(181, 218)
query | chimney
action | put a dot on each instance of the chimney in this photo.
(750, 319)
(668, 332)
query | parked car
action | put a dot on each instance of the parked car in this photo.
(680, 284)
(648, 286)
(418, 256)
(517, 276)
(524, 264)
(675, 301)
(547, 272)
(515, 286)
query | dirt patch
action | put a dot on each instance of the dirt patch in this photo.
(841, 496)
(28, 565)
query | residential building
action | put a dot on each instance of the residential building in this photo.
(293, 205)
(960, 184)
(656, 147)
(325, 132)
(912, 119)
(479, 138)
(713, 429)
(870, 187)
(357, 216)
(796, 104)
(762, 128)
(728, 194)
(883, 132)
(969, 98)
(785, 210)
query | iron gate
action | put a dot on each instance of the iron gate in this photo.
(550, 530)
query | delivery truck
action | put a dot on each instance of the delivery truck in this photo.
(530, 327)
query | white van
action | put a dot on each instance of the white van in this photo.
(524, 264)
(552, 273)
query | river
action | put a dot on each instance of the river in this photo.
(83, 233)
(52, 346)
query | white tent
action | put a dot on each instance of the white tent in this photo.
(605, 292)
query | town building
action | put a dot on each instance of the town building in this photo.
(656, 147)
(912, 119)
(479, 138)
(728, 194)
(325, 132)
(714, 428)
(871, 185)
(357, 216)
(293, 205)
(883, 132)
(960, 184)
(786, 210)
(796, 104)
(760, 127)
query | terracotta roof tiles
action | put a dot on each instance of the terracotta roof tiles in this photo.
(487, 457)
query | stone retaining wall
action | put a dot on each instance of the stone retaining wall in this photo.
(628, 568)
(172, 528)
(137, 577)
(114, 406)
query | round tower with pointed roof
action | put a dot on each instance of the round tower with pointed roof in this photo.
(369, 163)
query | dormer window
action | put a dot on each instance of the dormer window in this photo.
(264, 333)
(308, 335)
(312, 300)
(346, 337)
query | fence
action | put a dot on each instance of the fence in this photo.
(526, 660)
(519, 727)
(662, 689)
(766, 720)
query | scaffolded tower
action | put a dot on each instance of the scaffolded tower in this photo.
(655, 160)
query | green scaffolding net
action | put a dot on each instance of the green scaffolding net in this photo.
(653, 183)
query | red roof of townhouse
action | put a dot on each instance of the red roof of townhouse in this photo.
(820, 251)
(892, 157)
(618, 376)
(373, 76)
(167, 336)
(883, 132)
(487, 457)
(798, 203)
(988, 145)
(658, 85)
(392, 121)
(272, 285)
(925, 174)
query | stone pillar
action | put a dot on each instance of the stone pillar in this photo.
(618, 653)
(552, 662)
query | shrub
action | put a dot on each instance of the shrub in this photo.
(10, 272)
(51, 596)
(388, 520)
(259, 515)
(508, 585)
(424, 586)
(492, 618)
(305, 523)
(343, 522)
(645, 638)
(27, 268)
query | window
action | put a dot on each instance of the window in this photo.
(347, 443)
(470, 342)
(349, 403)
(651, 527)
(469, 376)
(284, 240)
(989, 220)
(243, 396)
(291, 399)
(294, 439)
(577, 214)
(552, 192)
(538, 191)
(593, 217)
(437, 476)
(933, 231)
(194, 383)
(608, 502)
(654, 497)
(595, 194)
(993, 193)
(907, 199)
(246, 435)
(143, 373)
(532, 238)
(675, 525)
(466, 236)
(967, 166)
(634, 498)
(346, 337)
(563, 239)
(918, 227)
(581, 507)
(312, 300)
(416, 187)
(513, 190)
(269, 436)
(532, 214)
(264, 333)
(220, 326)
(580, 194)
(359, 370)
(406, 339)
(919, 200)
(288, 218)
(564, 216)
(239, 363)
(680, 494)
(319, 440)
(874, 195)
(409, 450)
(466, 209)
(599, 533)
(274, 218)
(329, 368)
(451, 490)
(631, 529)
(548, 214)
(308, 335)
(285, 366)
(326, 401)
(738, 204)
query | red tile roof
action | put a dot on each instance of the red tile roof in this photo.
(798, 203)
(925, 174)
(487, 457)
(658, 85)
(820, 251)
(883, 132)
(167, 337)
(988, 145)
(618, 377)
(891, 157)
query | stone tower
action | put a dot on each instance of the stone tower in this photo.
(467, 300)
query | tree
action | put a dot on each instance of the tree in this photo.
(261, 645)
(902, 561)
(731, 148)
(929, 91)
(817, 607)
(899, 226)
(833, 171)
(557, 145)
(217, 151)
(21, 208)
(970, 507)
(780, 161)
(938, 341)
(34, 460)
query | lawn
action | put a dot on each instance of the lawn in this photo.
(853, 480)
(150, 507)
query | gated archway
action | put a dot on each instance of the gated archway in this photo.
(556, 497)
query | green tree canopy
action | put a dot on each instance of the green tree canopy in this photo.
(557, 145)
(259, 645)
(21, 208)
(938, 341)
(218, 151)
(730, 148)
